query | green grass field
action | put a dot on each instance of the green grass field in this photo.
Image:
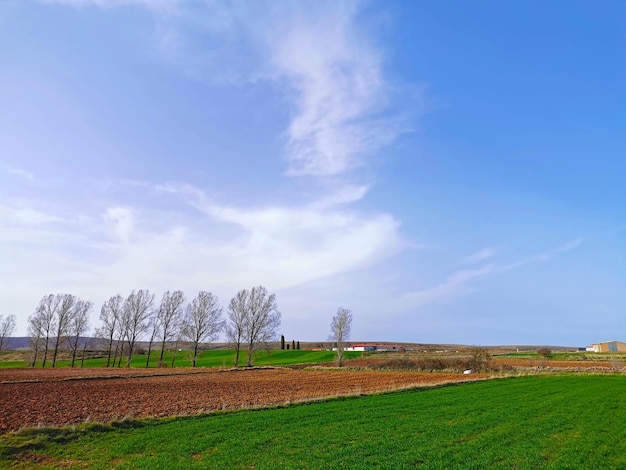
(552, 422)
(211, 358)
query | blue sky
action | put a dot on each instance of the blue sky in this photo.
(453, 172)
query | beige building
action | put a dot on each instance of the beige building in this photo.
(608, 346)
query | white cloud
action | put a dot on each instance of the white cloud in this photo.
(327, 64)
(340, 193)
(455, 285)
(289, 246)
(215, 247)
(331, 75)
(336, 74)
(157, 6)
(479, 256)
(23, 174)
(460, 282)
(543, 256)
(27, 216)
(121, 219)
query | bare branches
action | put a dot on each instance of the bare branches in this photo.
(7, 326)
(43, 322)
(202, 322)
(237, 320)
(254, 318)
(63, 315)
(111, 317)
(169, 317)
(135, 319)
(340, 331)
(79, 324)
(65, 311)
(61, 321)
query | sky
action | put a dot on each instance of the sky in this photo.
(452, 172)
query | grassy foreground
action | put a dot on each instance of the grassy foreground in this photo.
(553, 422)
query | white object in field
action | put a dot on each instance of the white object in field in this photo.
(467, 371)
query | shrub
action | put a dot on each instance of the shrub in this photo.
(480, 360)
(544, 352)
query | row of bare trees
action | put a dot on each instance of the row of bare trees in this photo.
(124, 322)
(59, 320)
(252, 320)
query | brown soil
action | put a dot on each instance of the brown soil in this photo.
(55, 397)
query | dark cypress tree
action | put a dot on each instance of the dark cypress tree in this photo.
(282, 342)
(298, 345)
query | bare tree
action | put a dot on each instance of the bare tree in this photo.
(175, 347)
(237, 319)
(42, 324)
(87, 342)
(65, 312)
(78, 325)
(7, 327)
(110, 316)
(121, 337)
(202, 322)
(169, 317)
(340, 331)
(260, 318)
(35, 336)
(137, 311)
(153, 327)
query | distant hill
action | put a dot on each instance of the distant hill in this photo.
(23, 343)
(16, 343)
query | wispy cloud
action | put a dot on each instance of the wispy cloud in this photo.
(455, 285)
(330, 69)
(157, 6)
(543, 256)
(27, 216)
(339, 89)
(479, 256)
(121, 219)
(461, 281)
(193, 244)
(22, 174)
(164, 236)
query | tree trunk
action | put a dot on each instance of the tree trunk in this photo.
(109, 352)
(340, 354)
(149, 351)
(195, 354)
(74, 351)
(35, 352)
(82, 358)
(56, 351)
(115, 353)
(174, 353)
(237, 354)
(45, 353)
(250, 354)
(162, 353)
(131, 346)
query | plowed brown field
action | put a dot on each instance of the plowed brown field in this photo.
(38, 397)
